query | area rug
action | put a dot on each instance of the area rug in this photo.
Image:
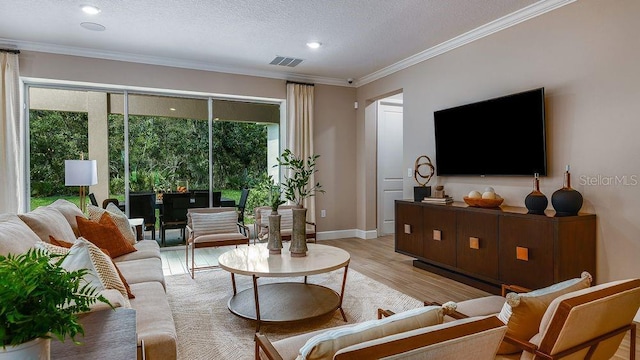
(208, 330)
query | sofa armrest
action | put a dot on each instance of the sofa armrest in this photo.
(263, 343)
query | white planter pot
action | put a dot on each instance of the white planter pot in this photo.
(38, 349)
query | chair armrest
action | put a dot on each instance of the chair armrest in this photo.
(506, 288)
(524, 345)
(384, 313)
(263, 343)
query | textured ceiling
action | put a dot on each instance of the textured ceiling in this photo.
(359, 37)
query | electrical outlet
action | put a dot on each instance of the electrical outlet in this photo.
(409, 172)
(323, 213)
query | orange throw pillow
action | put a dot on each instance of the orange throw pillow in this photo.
(105, 235)
(68, 245)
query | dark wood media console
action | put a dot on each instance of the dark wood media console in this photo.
(486, 248)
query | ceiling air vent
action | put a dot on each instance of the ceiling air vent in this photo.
(285, 61)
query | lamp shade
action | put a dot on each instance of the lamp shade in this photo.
(80, 172)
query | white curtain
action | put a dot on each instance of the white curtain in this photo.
(11, 180)
(300, 130)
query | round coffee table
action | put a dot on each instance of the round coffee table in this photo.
(284, 301)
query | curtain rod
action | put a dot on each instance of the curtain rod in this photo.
(299, 83)
(12, 51)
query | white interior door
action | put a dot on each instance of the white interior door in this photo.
(390, 162)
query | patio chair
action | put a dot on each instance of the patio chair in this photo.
(174, 213)
(242, 204)
(212, 227)
(92, 198)
(142, 205)
(200, 199)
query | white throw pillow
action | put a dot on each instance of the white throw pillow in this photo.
(326, 344)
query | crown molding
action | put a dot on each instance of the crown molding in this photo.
(504, 22)
(164, 61)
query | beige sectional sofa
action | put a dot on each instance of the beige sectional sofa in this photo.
(142, 270)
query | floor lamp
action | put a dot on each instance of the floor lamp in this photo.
(81, 173)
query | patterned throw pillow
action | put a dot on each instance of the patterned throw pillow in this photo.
(66, 245)
(105, 235)
(102, 274)
(119, 218)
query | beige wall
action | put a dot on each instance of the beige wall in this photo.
(586, 55)
(334, 114)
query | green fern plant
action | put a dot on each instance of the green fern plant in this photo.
(296, 186)
(40, 299)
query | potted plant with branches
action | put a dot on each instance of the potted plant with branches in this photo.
(39, 299)
(297, 187)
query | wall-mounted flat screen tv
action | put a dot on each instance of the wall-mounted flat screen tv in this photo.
(500, 136)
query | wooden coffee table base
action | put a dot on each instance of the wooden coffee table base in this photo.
(285, 302)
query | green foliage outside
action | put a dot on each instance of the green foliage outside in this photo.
(162, 151)
(40, 298)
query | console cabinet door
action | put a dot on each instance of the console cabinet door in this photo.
(477, 243)
(526, 251)
(439, 238)
(409, 229)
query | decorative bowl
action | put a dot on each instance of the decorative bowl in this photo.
(483, 203)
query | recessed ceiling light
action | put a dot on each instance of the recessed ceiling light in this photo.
(172, 109)
(93, 26)
(90, 9)
(314, 44)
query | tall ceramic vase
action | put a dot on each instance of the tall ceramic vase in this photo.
(274, 243)
(298, 245)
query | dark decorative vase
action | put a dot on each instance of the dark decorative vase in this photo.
(566, 201)
(536, 202)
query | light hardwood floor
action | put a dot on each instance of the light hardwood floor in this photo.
(376, 259)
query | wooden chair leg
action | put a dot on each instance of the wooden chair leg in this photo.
(632, 342)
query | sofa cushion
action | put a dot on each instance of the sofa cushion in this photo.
(118, 217)
(142, 270)
(47, 220)
(145, 249)
(69, 210)
(326, 344)
(102, 273)
(105, 234)
(154, 321)
(15, 236)
(214, 223)
(523, 312)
